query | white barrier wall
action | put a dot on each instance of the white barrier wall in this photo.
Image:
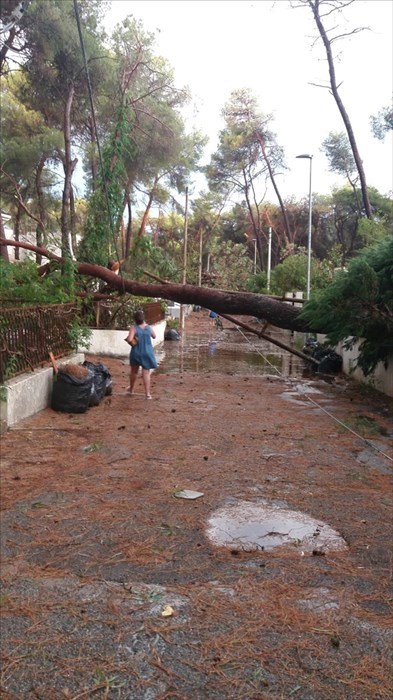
(25, 395)
(30, 392)
(382, 379)
(112, 343)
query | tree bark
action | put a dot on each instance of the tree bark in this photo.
(129, 229)
(315, 5)
(69, 167)
(40, 230)
(3, 248)
(145, 217)
(5, 47)
(18, 217)
(273, 181)
(277, 313)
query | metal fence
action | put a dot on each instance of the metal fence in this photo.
(153, 311)
(118, 315)
(29, 334)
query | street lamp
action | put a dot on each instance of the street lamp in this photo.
(307, 155)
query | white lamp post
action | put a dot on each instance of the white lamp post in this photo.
(307, 155)
(269, 259)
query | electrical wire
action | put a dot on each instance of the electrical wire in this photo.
(315, 403)
(258, 351)
(15, 16)
(93, 114)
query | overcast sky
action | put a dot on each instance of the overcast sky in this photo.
(217, 46)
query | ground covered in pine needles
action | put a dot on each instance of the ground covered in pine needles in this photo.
(111, 587)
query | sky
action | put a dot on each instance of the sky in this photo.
(217, 46)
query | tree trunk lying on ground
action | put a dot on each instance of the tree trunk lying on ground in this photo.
(277, 313)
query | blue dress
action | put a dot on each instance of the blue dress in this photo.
(143, 354)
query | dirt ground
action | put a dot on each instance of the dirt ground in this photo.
(111, 587)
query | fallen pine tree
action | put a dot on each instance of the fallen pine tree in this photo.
(356, 308)
(277, 313)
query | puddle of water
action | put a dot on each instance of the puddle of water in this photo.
(229, 352)
(252, 526)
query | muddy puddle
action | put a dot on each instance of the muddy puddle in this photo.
(229, 352)
(249, 526)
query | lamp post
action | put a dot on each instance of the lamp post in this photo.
(307, 155)
(269, 259)
(184, 258)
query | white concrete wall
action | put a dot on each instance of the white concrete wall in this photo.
(381, 379)
(112, 343)
(29, 393)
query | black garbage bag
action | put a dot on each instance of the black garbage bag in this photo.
(331, 363)
(102, 382)
(72, 394)
(171, 334)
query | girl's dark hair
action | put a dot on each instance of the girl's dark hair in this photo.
(139, 317)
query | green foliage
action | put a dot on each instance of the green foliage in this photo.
(172, 323)
(21, 283)
(338, 151)
(382, 123)
(371, 231)
(106, 203)
(238, 162)
(231, 263)
(11, 366)
(122, 313)
(358, 306)
(164, 263)
(257, 283)
(291, 274)
(78, 334)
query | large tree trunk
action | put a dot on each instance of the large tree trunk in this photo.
(145, 217)
(261, 142)
(277, 313)
(3, 248)
(40, 230)
(5, 47)
(315, 7)
(129, 230)
(17, 220)
(69, 167)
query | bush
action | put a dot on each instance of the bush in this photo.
(358, 306)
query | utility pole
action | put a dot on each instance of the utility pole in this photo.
(309, 242)
(200, 256)
(269, 258)
(184, 257)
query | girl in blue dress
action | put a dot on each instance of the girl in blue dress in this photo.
(142, 353)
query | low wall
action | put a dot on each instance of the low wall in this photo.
(381, 379)
(112, 343)
(29, 393)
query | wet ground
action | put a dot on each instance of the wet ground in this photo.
(274, 583)
(231, 351)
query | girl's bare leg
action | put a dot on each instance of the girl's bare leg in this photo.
(133, 377)
(146, 382)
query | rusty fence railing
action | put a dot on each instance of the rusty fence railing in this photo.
(119, 314)
(29, 334)
(153, 312)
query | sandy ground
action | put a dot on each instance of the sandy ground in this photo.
(111, 586)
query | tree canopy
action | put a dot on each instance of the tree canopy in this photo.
(76, 98)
